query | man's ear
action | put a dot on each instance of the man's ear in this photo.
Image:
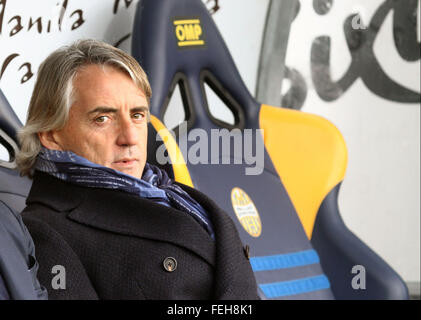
(50, 140)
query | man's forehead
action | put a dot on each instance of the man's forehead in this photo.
(94, 85)
(103, 74)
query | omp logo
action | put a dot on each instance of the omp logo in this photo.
(188, 32)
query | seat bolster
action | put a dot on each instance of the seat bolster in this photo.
(181, 173)
(309, 155)
(344, 256)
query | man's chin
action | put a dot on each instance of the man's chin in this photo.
(132, 171)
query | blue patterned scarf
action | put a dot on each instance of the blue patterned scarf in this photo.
(154, 185)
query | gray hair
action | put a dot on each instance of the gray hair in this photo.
(53, 93)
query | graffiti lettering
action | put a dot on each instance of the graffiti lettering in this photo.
(296, 94)
(213, 6)
(79, 21)
(16, 24)
(115, 10)
(28, 74)
(322, 6)
(117, 2)
(364, 64)
(122, 39)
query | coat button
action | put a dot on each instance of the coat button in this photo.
(170, 264)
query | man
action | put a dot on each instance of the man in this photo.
(105, 223)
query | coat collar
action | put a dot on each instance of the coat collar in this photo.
(53, 192)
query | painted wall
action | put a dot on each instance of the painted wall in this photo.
(368, 85)
(363, 73)
(380, 198)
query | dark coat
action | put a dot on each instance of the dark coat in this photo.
(113, 245)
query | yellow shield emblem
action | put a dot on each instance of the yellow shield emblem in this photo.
(246, 212)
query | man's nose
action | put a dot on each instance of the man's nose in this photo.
(128, 133)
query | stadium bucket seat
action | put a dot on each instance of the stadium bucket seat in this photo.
(285, 207)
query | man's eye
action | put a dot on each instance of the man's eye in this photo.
(101, 119)
(138, 116)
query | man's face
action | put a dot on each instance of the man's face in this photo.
(108, 120)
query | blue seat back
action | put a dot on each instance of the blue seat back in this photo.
(285, 263)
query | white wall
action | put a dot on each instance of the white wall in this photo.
(380, 197)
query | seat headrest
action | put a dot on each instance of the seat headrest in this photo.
(9, 122)
(13, 188)
(175, 40)
(9, 125)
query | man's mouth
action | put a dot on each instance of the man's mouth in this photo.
(125, 162)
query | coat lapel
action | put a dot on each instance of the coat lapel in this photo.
(232, 270)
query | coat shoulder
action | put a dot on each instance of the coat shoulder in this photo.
(60, 269)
